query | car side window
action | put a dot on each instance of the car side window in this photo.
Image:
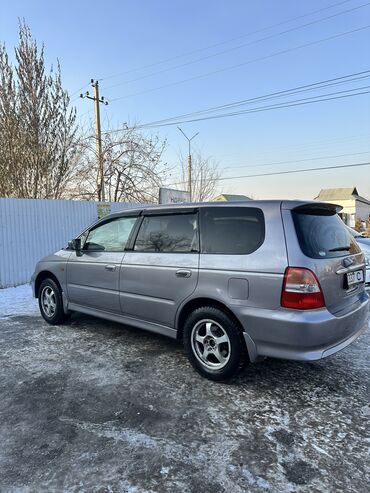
(232, 230)
(172, 233)
(111, 236)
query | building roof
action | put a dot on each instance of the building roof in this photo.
(337, 193)
(333, 194)
(230, 197)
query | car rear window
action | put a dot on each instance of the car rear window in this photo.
(232, 230)
(322, 234)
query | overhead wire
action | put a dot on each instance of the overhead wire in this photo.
(293, 161)
(286, 104)
(78, 91)
(298, 102)
(277, 94)
(215, 45)
(275, 173)
(270, 149)
(261, 58)
(271, 36)
(280, 105)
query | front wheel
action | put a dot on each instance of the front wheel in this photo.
(214, 343)
(50, 302)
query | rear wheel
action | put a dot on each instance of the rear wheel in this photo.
(214, 343)
(50, 302)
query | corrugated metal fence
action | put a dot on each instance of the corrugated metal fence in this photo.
(32, 228)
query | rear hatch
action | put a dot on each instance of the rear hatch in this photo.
(330, 251)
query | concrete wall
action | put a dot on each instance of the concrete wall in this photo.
(32, 228)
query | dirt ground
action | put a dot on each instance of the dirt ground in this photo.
(95, 406)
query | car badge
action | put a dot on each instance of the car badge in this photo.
(347, 262)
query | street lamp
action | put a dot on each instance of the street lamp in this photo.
(189, 160)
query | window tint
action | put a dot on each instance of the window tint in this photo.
(168, 233)
(112, 236)
(232, 230)
(322, 234)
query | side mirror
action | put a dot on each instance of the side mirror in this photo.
(75, 245)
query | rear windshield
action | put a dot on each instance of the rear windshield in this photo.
(322, 234)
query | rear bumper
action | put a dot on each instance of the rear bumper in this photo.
(299, 335)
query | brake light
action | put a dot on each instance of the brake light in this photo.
(301, 290)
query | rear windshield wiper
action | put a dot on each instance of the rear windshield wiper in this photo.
(340, 249)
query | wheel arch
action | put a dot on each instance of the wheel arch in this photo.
(195, 303)
(45, 274)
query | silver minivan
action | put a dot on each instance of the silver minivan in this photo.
(233, 281)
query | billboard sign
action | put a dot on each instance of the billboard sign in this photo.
(172, 196)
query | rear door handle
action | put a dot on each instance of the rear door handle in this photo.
(110, 267)
(183, 273)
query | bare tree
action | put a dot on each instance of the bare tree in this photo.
(9, 124)
(205, 176)
(133, 167)
(37, 126)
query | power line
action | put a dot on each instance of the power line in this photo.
(301, 147)
(84, 114)
(287, 92)
(231, 67)
(297, 102)
(191, 62)
(277, 95)
(78, 92)
(341, 166)
(198, 50)
(288, 104)
(299, 160)
(297, 171)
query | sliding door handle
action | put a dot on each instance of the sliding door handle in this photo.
(110, 267)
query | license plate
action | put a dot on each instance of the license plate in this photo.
(355, 277)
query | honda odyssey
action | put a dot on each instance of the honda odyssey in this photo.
(233, 281)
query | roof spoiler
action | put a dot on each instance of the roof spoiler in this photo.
(318, 208)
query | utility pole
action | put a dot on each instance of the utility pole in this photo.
(99, 150)
(189, 161)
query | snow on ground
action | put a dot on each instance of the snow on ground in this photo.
(17, 301)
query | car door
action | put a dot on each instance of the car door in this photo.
(93, 274)
(161, 270)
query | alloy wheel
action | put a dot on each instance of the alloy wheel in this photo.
(48, 301)
(211, 344)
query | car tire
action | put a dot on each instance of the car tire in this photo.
(214, 343)
(51, 302)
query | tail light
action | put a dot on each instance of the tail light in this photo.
(301, 290)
